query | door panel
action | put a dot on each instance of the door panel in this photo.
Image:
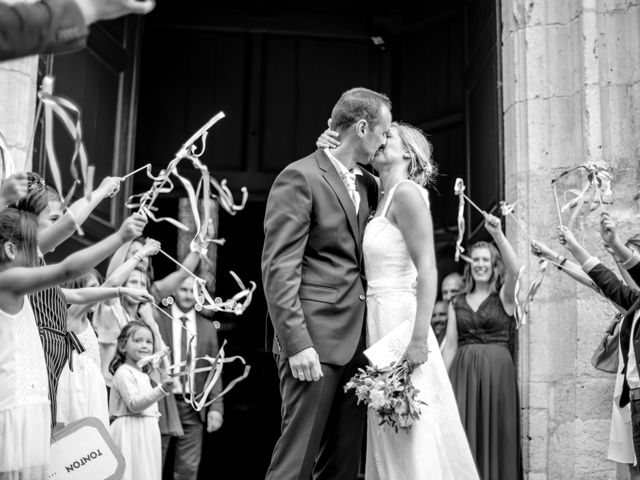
(101, 80)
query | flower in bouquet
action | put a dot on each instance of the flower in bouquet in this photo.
(390, 393)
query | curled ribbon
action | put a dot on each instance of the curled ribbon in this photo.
(522, 308)
(7, 166)
(458, 189)
(71, 117)
(597, 184)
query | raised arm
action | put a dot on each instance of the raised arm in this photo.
(13, 189)
(91, 295)
(610, 285)
(570, 268)
(451, 338)
(408, 206)
(629, 257)
(510, 259)
(120, 275)
(21, 280)
(78, 212)
(169, 284)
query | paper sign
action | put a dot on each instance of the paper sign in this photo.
(391, 347)
(83, 450)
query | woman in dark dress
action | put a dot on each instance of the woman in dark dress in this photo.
(479, 350)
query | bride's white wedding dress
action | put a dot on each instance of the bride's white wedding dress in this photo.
(436, 448)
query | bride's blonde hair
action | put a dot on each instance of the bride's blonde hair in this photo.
(422, 170)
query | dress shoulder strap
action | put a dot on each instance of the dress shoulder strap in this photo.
(423, 192)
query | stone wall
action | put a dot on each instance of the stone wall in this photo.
(18, 87)
(571, 86)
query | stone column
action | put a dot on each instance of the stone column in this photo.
(18, 86)
(571, 83)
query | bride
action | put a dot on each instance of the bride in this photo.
(401, 273)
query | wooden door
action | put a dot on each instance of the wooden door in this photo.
(101, 79)
(483, 112)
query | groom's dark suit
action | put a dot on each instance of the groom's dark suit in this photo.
(312, 272)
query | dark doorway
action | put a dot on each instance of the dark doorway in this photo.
(276, 68)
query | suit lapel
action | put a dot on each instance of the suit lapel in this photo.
(363, 212)
(332, 177)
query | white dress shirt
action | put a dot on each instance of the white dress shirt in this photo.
(344, 173)
(176, 348)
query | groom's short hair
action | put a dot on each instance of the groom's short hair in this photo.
(355, 104)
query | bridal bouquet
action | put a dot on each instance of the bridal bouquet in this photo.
(389, 392)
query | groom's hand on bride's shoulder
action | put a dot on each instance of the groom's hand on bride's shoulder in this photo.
(305, 365)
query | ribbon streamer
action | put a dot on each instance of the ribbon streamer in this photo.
(522, 308)
(458, 189)
(7, 166)
(71, 117)
(461, 223)
(597, 185)
(507, 209)
(201, 400)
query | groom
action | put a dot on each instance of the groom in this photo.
(313, 277)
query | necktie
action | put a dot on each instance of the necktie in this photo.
(183, 340)
(350, 183)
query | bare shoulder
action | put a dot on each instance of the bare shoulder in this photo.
(410, 195)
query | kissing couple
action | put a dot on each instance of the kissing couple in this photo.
(336, 282)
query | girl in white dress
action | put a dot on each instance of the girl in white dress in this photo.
(82, 392)
(134, 403)
(24, 406)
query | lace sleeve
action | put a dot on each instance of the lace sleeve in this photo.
(130, 389)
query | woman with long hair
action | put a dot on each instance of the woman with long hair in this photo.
(399, 259)
(479, 352)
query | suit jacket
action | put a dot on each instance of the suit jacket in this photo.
(312, 265)
(207, 344)
(629, 299)
(31, 28)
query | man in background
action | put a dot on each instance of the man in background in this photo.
(439, 320)
(190, 330)
(451, 286)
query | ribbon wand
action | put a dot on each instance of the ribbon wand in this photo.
(135, 171)
(459, 189)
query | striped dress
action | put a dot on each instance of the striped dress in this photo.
(50, 309)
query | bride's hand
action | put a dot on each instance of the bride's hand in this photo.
(328, 138)
(417, 353)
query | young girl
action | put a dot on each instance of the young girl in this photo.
(82, 392)
(24, 408)
(134, 403)
(50, 305)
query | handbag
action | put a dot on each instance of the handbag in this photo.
(605, 357)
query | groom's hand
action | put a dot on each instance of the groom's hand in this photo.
(305, 365)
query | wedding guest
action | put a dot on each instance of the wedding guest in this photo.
(625, 424)
(189, 330)
(82, 391)
(439, 320)
(24, 410)
(57, 26)
(480, 335)
(451, 286)
(134, 404)
(50, 304)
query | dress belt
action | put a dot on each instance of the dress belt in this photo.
(71, 340)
